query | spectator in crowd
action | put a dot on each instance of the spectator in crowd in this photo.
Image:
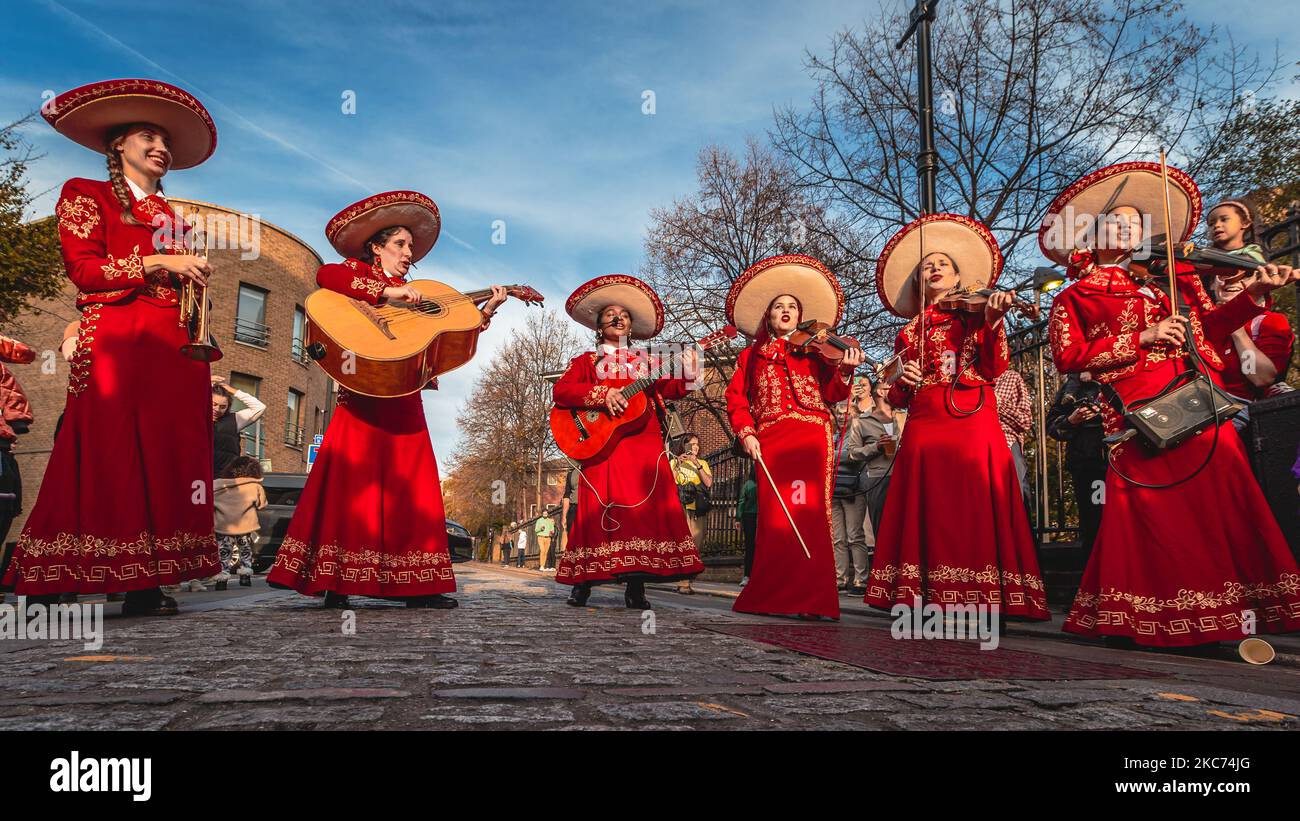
(508, 543)
(694, 478)
(544, 530)
(1256, 357)
(1075, 419)
(1016, 415)
(15, 417)
(237, 495)
(227, 425)
(747, 518)
(521, 546)
(848, 502)
(873, 442)
(569, 506)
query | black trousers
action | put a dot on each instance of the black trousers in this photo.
(1089, 511)
(749, 526)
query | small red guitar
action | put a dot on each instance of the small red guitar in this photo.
(589, 434)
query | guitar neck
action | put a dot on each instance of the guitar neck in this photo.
(665, 366)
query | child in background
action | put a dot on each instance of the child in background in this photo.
(237, 496)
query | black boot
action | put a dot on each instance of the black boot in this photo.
(246, 580)
(437, 601)
(579, 595)
(149, 603)
(334, 601)
(219, 586)
(47, 599)
(634, 597)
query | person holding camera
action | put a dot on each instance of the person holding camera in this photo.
(1075, 419)
(694, 478)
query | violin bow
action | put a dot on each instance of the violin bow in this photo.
(1169, 237)
(780, 499)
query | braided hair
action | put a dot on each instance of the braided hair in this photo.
(116, 177)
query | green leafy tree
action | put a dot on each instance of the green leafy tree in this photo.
(30, 265)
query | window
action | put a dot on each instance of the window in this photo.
(250, 317)
(293, 421)
(254, 444)
(299, 334)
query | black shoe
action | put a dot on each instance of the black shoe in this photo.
(246, 581)
(334, 601)
(47, 599)
(634, 597)
(856, 590)
(579, 595)
(437, 602)
(219, 586)
(68, 598)
(149, 603)
(1120, 643)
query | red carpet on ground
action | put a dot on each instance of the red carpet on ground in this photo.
(946, 660)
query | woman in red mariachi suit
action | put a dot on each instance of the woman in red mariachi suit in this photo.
(954, 529)
(1198, 558)
(630, 527)
(370, 521)
(126, 502)
(778, 402)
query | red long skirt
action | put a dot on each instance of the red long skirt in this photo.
(126, 502)
(370, 521)
(630, 523)
(954, 529)
(784, 580)
(1201, 562)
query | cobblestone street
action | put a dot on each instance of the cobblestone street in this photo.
(514, 656)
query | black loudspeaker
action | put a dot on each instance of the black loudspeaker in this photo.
(1273, 437)
(1182, 413)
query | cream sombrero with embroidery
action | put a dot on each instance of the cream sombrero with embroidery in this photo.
(640, 300)
(967, 242)
(86, 114)
(1072, 220)
(350, 228)
(802, 277)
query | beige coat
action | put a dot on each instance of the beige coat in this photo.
(236, 502)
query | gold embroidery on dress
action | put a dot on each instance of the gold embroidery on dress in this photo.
(79, 362)
(78, 216)
(362, 564)
(81, 557)
(132, 266)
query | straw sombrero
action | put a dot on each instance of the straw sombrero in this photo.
(640, 300)
(85, 115)
(350, 228)
(804, 278)
(967, 242)
(1071, 221)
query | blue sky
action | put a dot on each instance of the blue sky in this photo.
(529, 113)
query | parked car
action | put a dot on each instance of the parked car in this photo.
(282, 493)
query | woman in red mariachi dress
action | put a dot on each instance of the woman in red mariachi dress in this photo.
(1200, 558)
(778, 402)
(370, 521)
(630, 526)
(954, 529)
(126, 502)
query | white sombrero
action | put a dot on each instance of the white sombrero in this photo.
(1071, 221)
(967, 242)
(802, 277)
(85, 115)
(640, 300)
(350, 228)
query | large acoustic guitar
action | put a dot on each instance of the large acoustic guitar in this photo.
(393, 349)
(590, 434)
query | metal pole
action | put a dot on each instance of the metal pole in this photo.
(927, 160)
(1040, 454)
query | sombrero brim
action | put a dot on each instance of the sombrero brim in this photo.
(640, 300)
(803, 277)
(1071, 221)
(967, 242)
(86, 114)
(352, 227)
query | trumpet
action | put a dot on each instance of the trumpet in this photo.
(196, 310)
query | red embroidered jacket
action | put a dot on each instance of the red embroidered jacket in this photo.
(14, 407)
(955, 342)
(103, 256)
(781, 384)
(589, 379)
(357, 279)
(1272, 334)
(1095, 325)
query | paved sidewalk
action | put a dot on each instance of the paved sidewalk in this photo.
(514, 656)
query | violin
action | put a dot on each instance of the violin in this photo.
(962, 300)
(816, 337)
(1228, 267)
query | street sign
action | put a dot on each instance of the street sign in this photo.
(312, 450)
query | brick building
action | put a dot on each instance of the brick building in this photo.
(258, 321)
